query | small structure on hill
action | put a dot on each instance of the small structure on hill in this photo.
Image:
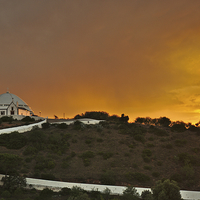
(11, 105)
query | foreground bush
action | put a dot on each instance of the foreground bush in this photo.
(166, 190)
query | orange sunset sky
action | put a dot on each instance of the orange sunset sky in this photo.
(137, 57)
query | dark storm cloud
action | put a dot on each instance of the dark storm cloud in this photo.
(112, 55)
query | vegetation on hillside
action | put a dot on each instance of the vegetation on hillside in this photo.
(113, 152)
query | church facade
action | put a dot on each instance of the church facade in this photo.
(11, 105)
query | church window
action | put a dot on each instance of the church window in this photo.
(2, 112)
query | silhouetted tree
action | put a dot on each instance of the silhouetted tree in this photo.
(124, 118)
(178, 126)
(164, 121)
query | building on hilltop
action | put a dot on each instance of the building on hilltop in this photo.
(11, 105)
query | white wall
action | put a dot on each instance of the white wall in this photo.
(22, 129)
(41, 184)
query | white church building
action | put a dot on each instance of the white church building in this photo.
(11, 105)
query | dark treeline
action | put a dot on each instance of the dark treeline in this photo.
(101, 115)
(179, 126)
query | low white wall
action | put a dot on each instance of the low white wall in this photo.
(84, 121)
(40, 184)
(24, 128)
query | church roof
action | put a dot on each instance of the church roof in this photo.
(7, 98)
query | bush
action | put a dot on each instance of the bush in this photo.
(28, 119)
(13, 140)
(167, 146)
(180, 143)
(62, 126)
(45, 125)
(150, 145)
(13, 182)
(86, 157)
(106, 155)
(99, 140)
(65, 191)
(130, 193)
(166, 190)
(146, 154)
(156, 174)
(160, 132)
(6, 194)
(136, 176)
(185, 158)
(146, 195)
(108, 178)
(179, 127)
(147, 167)
(46, 194)
(42, 163)
(36, 137)
(30, 150)
(139, 138)
(48, 177)
(7, 119)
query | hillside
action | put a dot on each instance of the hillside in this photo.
(109, 153)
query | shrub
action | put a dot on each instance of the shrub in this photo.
(6, 194)
(139, 138)
(130, 193)
(106, 155)
(45, 125)
(65, 164)
(185, 158)
(167, 146)
(178, 177)
(65, 191)
(87, 154)
(146, 154)
(36, 137)
(88, 141)
(42, 163)
(150, 145)
(160, 132)
(30, 150)
(179, 127)
(13, 140)
(166, 190)
(136, 176)
(28, 119)
(74, 140)
(78, 125)
(46, 194)
(147, 167)
(86, 157)
(156, 174)
(62, 126)
(66, 137)
(7, 119)
(99, 140)
(12, 182)
(108, 178)
(151, 138)
(146, 195)
(180, 143)
(159, 163)
(48, 176)
(196, 150)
